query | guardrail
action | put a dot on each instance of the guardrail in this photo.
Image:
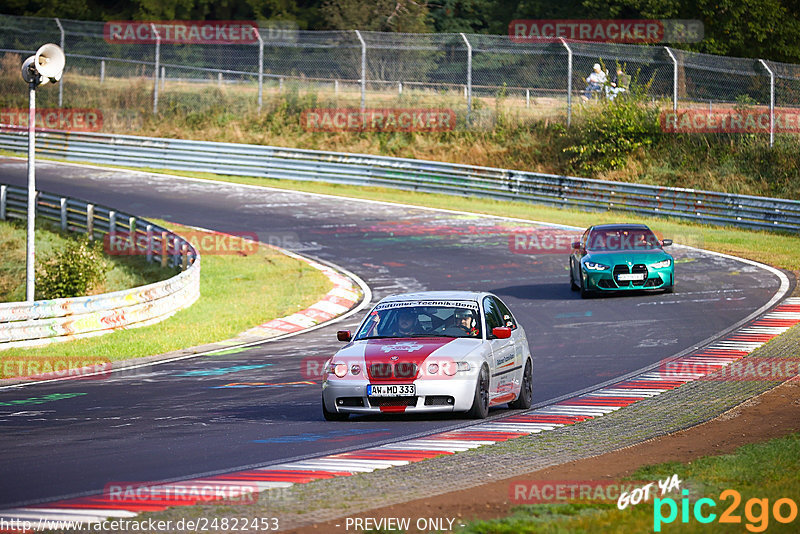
(25, 324)
(410, 174)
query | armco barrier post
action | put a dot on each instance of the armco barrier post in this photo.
(164, 247)
(90, 221)
(3, 198)
(149, 251)
(63, 210)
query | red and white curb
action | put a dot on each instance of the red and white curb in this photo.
(718, 355)
(338, 301)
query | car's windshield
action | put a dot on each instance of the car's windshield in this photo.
(622, 239)
(422, 319)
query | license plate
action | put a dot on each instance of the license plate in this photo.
(631, 276)
(403, 390)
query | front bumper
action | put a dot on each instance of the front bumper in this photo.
(608, 280)
(453, 394)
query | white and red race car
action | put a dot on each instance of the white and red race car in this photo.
(433, 351)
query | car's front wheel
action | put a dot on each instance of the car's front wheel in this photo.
(480, 402)
(333, 416)
(572, 285)
(525, 398)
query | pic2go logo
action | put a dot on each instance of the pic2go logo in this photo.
(756, 511)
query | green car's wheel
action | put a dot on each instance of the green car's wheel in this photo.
(572, 285)
(585, 293)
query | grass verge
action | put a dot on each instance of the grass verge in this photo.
(762, 474)
(237, 292)
(125, 271)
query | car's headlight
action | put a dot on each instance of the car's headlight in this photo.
(661, 264)
(339, 369)
(592, 266)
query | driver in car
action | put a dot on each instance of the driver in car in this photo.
(406, 323)
(466, 321)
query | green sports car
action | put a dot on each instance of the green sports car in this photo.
(620, 257)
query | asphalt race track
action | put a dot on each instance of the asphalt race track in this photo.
(198, 416)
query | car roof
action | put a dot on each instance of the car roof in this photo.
(437, 295)
(621, 226)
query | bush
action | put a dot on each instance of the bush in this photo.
(612, 130)
(72, 271)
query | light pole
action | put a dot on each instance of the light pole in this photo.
(45, 66)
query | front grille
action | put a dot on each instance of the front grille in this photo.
(618, 270)
(439, 400)
(405, 370)
(380, 370)
(640, 268)
(385, 371)
(349, 401)
(605, 283)
(392, 401)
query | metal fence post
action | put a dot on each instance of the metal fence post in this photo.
(363, 70)
(674, 79)
(102, 70)
(771, 102)
(155, 71)
(63, 206)
(569, 81)
(90, 221)
(61, 85)
(469, 75)
(3, 198)
(260, 68)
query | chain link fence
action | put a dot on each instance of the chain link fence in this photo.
(359, 68)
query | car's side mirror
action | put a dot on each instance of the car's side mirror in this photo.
(576, 244)
(666, 242)
(344, 335)
(501, 332)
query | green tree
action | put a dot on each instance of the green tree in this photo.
(406, 16)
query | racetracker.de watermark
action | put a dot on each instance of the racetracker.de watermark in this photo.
(189, 492)
(607, 30)
(543, 241)
(206, 243)
(554, 491)
(51, 367)
(730, 121)
(181, 31)
(74, 120)
(747, 370)
(378, 120)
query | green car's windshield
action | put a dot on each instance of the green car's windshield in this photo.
(622, 239)
(393, 321)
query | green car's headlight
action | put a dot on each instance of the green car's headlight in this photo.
(592, 266)
(661, 264)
